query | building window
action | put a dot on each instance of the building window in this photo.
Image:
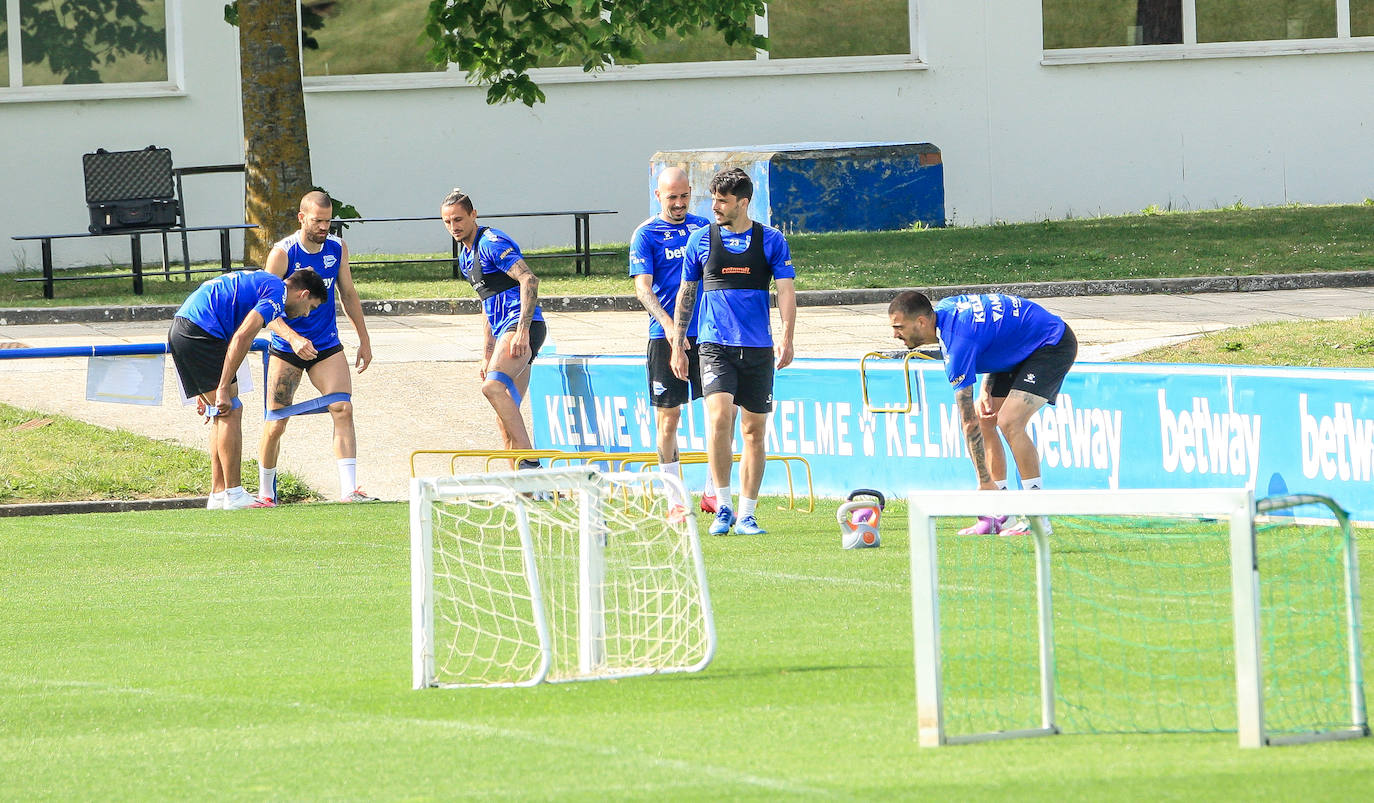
(1271, 24)
(1362, 17)
(356, 41)
(50, 43)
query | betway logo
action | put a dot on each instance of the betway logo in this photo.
(674, 253)
(1071, 437)
(1199, 441)
(1339, 445)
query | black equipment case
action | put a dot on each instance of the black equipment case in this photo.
(130, 189)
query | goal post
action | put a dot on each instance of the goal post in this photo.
(554, 575)
(1194, 610)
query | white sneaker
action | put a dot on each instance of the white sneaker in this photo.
(214, 502)
(1022, 526)
(240, 502)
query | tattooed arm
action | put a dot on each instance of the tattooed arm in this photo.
(529, 299)
(973, 436)
(686, 303)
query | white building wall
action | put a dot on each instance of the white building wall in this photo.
(41, 143)
(1021, 140)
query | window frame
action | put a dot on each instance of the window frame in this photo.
(16, 91)
(760, 65)
(1191, 48)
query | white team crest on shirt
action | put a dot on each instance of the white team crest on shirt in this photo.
(329, 260)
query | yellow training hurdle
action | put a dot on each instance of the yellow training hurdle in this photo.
(618, 461)
(906, 357)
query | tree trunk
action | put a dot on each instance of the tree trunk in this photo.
(276, 148)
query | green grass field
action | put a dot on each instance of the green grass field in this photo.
(265, 655)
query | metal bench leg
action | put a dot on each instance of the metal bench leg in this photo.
(136, 252)
(581, 245)
(47, 268)
(224, 250)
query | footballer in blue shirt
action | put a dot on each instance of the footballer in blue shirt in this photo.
(734, 261)
(494, 266)
(1024, 350)
(310, 345)
(656, 250)
(211, 334)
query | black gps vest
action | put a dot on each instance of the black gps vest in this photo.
(486, 284)
(744, 271)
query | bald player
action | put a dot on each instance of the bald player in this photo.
(656, 251)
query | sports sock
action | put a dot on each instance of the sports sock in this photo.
(1001, 484)
(235, 493)
(673, 469)
(1030, 483)
(267, 483)
(746, 506)
(348, 476)
(723, 495)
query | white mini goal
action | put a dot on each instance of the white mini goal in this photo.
(554, 575)
(1141, 611)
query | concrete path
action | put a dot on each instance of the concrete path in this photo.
(421, 389)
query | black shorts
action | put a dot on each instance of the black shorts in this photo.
(538, 332)
(665, 389)
(197, 355)
(744, 372)
(1040, 374)
(305, 365)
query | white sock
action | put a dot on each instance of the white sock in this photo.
(235, 492)
(674, 469)
(216, 500)
(746, 506)
(1001, 484)
(1030, 484)
(348, 476)
(723, 495)
(267, 483)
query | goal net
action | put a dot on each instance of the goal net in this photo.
(554, 575)
(1140, 612)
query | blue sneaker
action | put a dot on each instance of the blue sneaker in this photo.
(725, 519)
(749, 526)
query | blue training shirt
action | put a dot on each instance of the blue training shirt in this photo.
(497, 253)
(736, 317)
(656, 249)
(220, 305)
(986, 334)
(321, 325)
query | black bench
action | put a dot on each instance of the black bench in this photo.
(50, 277)
(582, 238)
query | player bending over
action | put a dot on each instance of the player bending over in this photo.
(1025, 352)
(210, 335)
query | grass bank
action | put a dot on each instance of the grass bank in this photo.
(1227, 242)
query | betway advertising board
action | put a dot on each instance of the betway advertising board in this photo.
(1116, 425)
